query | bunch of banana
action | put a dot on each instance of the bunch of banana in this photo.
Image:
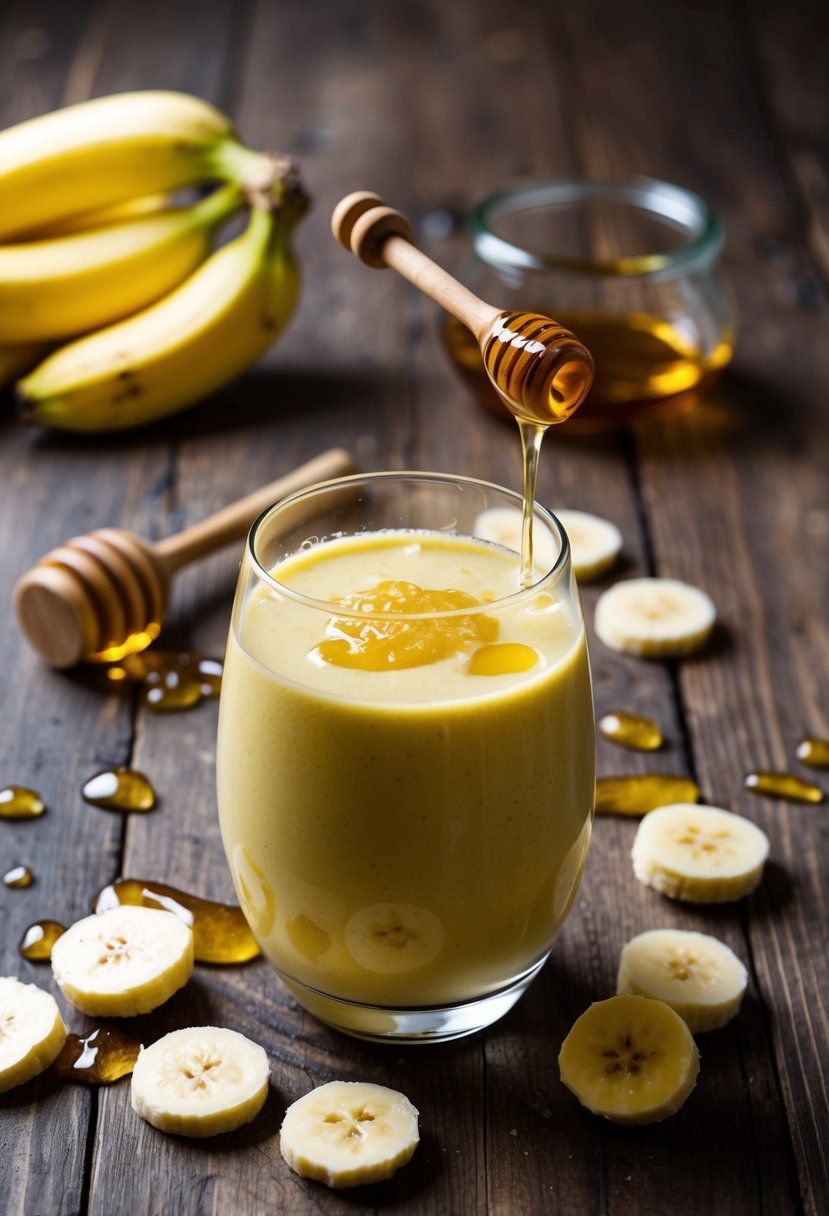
(113, 299)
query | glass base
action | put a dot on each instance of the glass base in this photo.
(424, 1024)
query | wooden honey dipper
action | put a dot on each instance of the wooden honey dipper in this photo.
(103, 595)
(540, 370)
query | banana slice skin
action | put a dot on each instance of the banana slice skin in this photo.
(31, 1031)
(696, 974)
(124, 961)
(654, 618)
(630, 1059)
(200, 1081)
(348, 1133)
(699, 854)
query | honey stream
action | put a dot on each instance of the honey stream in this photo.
(542, 373)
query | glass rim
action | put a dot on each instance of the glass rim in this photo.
(660, 198)
(264, 576)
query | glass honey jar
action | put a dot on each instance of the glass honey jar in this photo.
(630, 265)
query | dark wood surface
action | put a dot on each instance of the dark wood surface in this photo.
(433, 105)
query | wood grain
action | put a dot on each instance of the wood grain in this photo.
(434, 105)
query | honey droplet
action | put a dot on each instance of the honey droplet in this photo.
(119, 789)
(16, 802)
(103, 1055)
(210, 673)
(172, 680)
(220, 932)
(19, 877)
(642, 793)
(39, 938)
(784, 785)
(137, 668)
(631, 731)
(502, 658)
(814, 752)
(175, 690)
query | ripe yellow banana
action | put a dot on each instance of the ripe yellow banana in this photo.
(100, 217)
(51, 289)
(193, 341)
(101, 152)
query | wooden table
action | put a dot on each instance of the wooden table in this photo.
(433, 105)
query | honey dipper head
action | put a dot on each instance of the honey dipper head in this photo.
(362, 221)
(95, 598)
(540, 370)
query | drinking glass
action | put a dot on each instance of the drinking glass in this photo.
(406, 750)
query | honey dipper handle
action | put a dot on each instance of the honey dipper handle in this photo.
(233, 521)
(380, 236)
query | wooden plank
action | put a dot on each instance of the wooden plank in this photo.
(434, 105)
(59, 729)
(793, 67)
(56, 730)
(742, 700)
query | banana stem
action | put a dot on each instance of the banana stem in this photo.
(219, 204)
(267, 179)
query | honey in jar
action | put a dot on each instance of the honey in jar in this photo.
(630, 266)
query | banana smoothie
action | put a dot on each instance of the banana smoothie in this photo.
(405, 801)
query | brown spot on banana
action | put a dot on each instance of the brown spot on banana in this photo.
(127, 392)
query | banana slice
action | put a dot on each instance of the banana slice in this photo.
(392, 938)
(348, 1133)
(701, 854)
(696, 974)
(630, 1059)
(502, 526)
(31, 1031)
(124, 961)
(200, 1081)
(595, 543)
(654, 617)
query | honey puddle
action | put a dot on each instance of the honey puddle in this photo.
(220, 931)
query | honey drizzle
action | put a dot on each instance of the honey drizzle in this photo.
(17, 802)
(783, 785)
(38, 939)
(119, 789)
(637, 733)
(102, 1055)
(220, 931)
(532, 437)
(542, 373)
(636, 795)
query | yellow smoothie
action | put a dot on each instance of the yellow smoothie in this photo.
(406, 806)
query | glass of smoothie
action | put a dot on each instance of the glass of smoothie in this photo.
(406, 754)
